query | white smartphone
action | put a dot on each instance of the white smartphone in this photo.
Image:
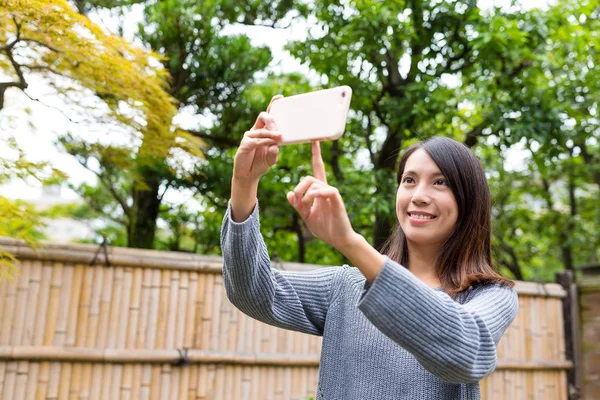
(319, 115)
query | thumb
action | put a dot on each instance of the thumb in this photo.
(297, 204)
(272, 155)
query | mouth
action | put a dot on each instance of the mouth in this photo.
(420, 216)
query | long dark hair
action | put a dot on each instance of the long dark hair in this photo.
(466, 256)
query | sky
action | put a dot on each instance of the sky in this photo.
(36, 133)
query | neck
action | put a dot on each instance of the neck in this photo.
(422, 261)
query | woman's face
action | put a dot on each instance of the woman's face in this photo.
(425, 205)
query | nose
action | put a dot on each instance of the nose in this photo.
(421, 195)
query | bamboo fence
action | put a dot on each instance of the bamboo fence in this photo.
(157, 325)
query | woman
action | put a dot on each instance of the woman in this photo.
(422, 319)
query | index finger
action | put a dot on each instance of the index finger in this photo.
(318, 165)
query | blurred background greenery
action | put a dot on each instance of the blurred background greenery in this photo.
(520, 86)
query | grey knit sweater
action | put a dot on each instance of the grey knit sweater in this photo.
(394, 339)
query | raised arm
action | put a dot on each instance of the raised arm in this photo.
(291, 300)
(297, 301)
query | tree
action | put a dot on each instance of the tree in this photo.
(53, 40)
(400, 59)
(208, 72)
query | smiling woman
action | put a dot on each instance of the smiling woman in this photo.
(443, 205)
(422, 319)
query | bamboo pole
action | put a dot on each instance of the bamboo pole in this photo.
(154, 310)
(163, 308)
(43, 378)
(124, 307)
(136, 381)
(193, 382)
(6, 327)
(115, 307)
(62, 316)
(32, 302)
(190, 313)
(65, 379)
(21, 377)
(32, 381)
(181, 310)
(199, 325)
(207, 315)
(86, 380)
(73, 307)
(262, 382)
(220, 321)
(220, 383)
(140, 340)
(53, 303)
(76, 374)
(116, 377)
(146, 381)
(54, 380)
(155, 382)
(4, 283)
(126, 383)
(134, 307)
(165, 381)
(91, 334)
(105, 306)
(184, 382)
(172, 310)
(84, 307)
(202, 391)
(22, 283)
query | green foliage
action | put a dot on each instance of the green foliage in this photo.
(18, 220)
(503, 80)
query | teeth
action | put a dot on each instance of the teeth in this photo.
(420, 216)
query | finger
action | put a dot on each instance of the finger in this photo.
(272, 155)
(304, 185)
(297, 204)
(276, 97)
(252, 143)
(264, 133)
(265, 121)
(324, 193)
(318, 164)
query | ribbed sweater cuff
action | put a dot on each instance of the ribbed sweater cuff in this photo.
(392, 277)
(245, 227)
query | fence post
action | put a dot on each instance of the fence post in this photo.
(572, 332)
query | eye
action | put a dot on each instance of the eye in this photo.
(407, 179)
(441, 182)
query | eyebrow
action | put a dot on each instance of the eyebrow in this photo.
(411, 172)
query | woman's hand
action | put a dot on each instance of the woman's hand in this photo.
(321, 206)
(259, 148)
(257, 153)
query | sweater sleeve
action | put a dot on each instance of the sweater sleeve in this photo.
(456, 342)
(286, 299)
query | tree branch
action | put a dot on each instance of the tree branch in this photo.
(335, 161)
(41, 44)
(106, 182)
(216, 139)
(368, 138)
(590, 160)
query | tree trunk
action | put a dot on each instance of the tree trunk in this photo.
(297, 226)
(144, 212)
(386, 167)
